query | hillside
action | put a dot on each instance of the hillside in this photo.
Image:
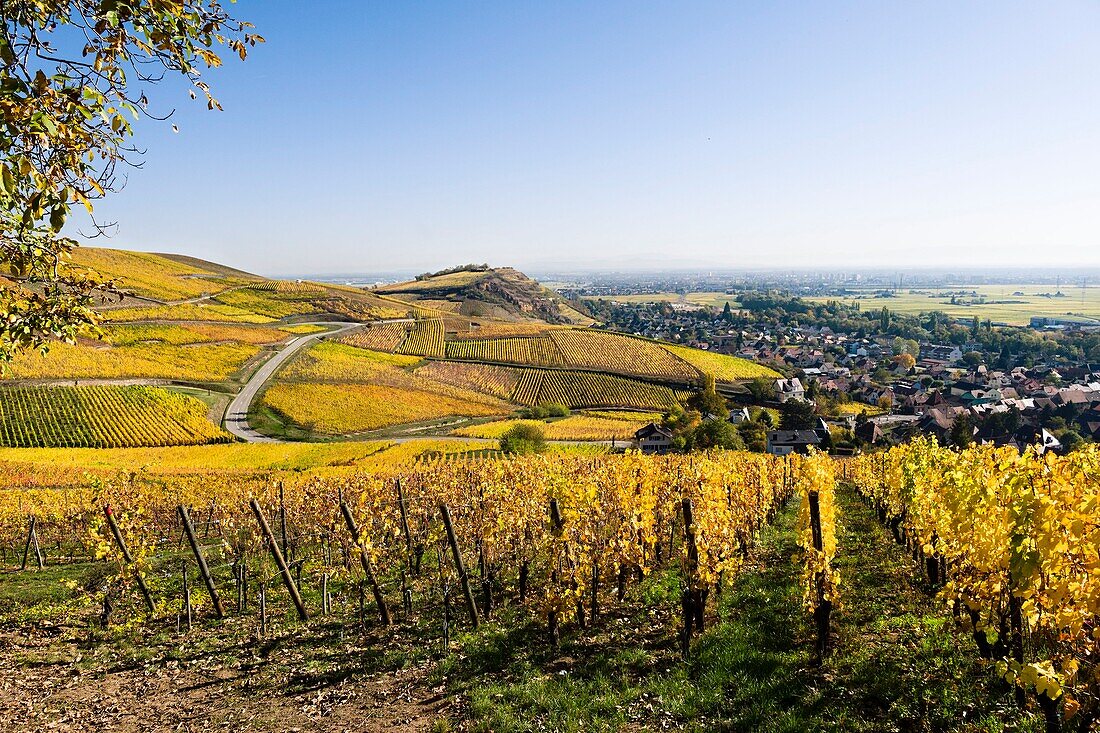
(501, 293)
(443, 353)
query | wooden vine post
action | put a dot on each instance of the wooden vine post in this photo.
(32, 541)
(405, 524)
(364, 560)
(200, 560)
(280, 561)
(824, 608)
(471, 604)
(127, 557)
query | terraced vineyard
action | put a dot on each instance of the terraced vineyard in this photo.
(533, 351)
(590, 389)
(724, 368)
(620, 354)
(425, 338)
(379, 337)
(103, 417)
(494, 380)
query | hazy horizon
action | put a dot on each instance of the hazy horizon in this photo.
(703, 135)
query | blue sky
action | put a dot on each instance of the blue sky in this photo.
(369, 136)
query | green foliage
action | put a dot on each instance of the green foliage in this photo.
(716, 434)
(523, 438)
(762, 389)
(66, 123)
(797, 415)
(544, 410)
(708, 401)
(962, 431)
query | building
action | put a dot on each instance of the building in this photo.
(653, 438)
(789, 389)
(784, 442)
(739, 416)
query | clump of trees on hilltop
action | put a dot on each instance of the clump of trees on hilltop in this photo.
(452, 270)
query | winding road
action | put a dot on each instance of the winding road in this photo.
(236, 414)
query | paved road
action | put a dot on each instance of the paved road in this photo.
(236, 415)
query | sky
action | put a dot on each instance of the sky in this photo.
(371, 136)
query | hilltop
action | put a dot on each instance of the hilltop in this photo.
(479, 291)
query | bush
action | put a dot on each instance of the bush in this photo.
(523, 438)
(555, 410)
(716, 434)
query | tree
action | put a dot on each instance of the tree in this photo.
(762, 389)
(886, 402)
(66, 124)
(972, 358)
(727, 313)
(716, 434)
(962, 431)
(797, 415)
(905, 361)
(754, 435)
(709, 401)
(523, 438)
(1071, 441)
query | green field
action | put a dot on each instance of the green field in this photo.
(1001, 304)
(713, 299)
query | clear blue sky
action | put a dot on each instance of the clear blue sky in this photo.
(366, 136)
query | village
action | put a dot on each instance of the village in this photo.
(879, 389)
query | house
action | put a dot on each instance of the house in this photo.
(784, 442)
(739, 416)
(937, 354)
(870, 432)
(653, 438)
(789, 389)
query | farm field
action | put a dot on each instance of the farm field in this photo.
(575, 427)
(159, 277)
(200, 362)
(541, 647)
(102, 417)
(701, 298)
(337, 389)
(1002, 305)
(199, 323)
(724, 368)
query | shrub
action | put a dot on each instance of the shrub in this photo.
(523, 438)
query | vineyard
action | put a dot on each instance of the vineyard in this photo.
(574, 427)
(558, 550)
(103, 417)
(497, 381)
(199, 362)
(158, 276)
(562, 536)
(605, 351)
(378, 337)
(425, 338)
(527, 350)
(590, 389)
(1013, 543)
(337, 389)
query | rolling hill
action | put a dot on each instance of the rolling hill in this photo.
(444, 352)
(502, 294)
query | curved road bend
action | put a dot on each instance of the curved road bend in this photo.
(236, 414)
